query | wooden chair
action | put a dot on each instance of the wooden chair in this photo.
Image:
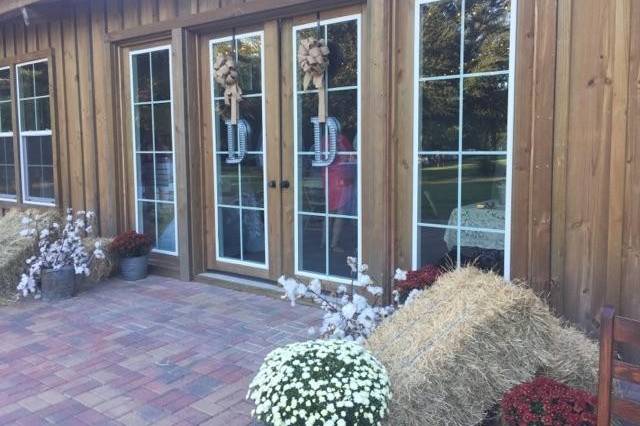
(622, 330)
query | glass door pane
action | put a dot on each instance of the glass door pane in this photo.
(327, 182)
(239, 168)
(153, 147)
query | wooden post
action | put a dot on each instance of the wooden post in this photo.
(607, 317)
(183, 214)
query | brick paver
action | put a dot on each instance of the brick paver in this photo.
(159, 351)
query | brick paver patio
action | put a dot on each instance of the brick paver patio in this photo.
(158, 351)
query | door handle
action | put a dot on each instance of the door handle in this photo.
(272, 184)
(284, 184)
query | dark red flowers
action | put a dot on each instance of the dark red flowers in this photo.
(418, 280)
(131, 244)
(545, 402)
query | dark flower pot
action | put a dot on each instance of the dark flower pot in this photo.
(134, 268)
(58, 284)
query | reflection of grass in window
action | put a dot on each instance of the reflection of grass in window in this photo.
(480, 177)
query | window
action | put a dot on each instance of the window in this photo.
(153, 147)
(7, 158)
(464, 65)
(34, 119)
(241, 217)
(327, 226)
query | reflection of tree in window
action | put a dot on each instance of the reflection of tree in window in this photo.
(440, 39)
(461, 218)
(486, 35)
(485, 113)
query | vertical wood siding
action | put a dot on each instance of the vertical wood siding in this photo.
(76, 35)
(576, 199)
(596, 194)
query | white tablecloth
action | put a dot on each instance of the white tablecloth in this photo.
(473, 215)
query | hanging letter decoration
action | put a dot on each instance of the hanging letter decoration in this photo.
(226, 74)
(313, 58)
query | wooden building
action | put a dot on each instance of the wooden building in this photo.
(501, 132)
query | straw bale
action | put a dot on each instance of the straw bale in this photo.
(574, 359)
(15, 249)
(459, 346)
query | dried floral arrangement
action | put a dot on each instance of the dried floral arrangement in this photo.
(58, 246)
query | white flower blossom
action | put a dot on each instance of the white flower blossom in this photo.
(350, 316)
(400, 275)
(321, 382)
(352, 262)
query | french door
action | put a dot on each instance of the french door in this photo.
(283, 194)
(149, 149)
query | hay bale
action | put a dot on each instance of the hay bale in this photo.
(574, 359)
(15, 249)
(459, 346)
(100, 268)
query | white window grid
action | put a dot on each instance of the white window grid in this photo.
(240, 207)
(24, 167)
(460, 153)
(297, 154)
(136, 152)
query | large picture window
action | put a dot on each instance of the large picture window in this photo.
(153, 146)
(34, 117)
(239, 169)
(464, 64)
(328, 199)
(7, 158)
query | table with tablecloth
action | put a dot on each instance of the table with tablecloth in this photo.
(481, 215)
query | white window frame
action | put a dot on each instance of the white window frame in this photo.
(6, 197)
(461, 75)
(240, 207)
(341, 280)
(132, 53)
(22, 134)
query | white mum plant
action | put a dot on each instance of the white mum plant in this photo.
(349, 315)
(57, 247)
(323, 383)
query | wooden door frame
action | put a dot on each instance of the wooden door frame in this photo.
(376, 170)
(185, 35)
(271, 147)
(178, 265)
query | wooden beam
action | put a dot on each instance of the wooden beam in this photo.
(541, 147)
(233, 16)
(560, 141)
(180, 61)
(619, 70)
(377, 170)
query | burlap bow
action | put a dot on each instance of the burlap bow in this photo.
(226, 74)
(313, 58)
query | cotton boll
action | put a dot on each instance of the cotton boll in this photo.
(348, 310)
(400, 275)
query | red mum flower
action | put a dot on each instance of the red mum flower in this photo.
(544, 401)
